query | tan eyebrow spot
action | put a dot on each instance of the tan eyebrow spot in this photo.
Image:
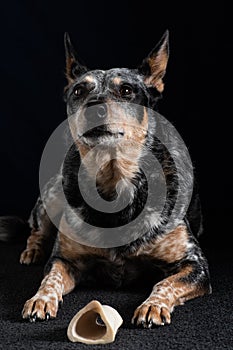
(117, 80)
(89, 79)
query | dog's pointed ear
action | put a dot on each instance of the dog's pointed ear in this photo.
(73, 67)
(154, 65)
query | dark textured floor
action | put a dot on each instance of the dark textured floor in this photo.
(204, 323)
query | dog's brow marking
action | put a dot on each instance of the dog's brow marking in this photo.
(117, 80)
(89, 79)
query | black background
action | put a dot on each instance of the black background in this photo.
(197, 96)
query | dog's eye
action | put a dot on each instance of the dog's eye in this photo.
(126, 90)
(79, 91)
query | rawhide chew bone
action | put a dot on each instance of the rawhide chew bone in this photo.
(94, 324)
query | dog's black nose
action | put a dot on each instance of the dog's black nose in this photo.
(95, 110)
(102, 111)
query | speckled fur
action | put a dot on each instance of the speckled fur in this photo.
(171, 259)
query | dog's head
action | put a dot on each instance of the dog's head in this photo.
(108, 106)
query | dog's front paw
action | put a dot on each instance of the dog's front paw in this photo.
(152, 313)
(31, 256)
(41, 308)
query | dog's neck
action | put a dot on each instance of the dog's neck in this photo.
(113, 167)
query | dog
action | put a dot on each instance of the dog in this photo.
(117, 148)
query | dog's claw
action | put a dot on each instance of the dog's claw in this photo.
(150, 324)
(47, 316)
(133, 320)
(33, 318)
(164, 320)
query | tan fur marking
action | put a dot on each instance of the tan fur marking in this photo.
(134, 130)
(113, 171)
(170, 248)
(34, 249)
(69, 63)
(117, 80)
(109, 175)
(70, 248)
(67, 279)
(89, 79)
(158, 65)
(83, 149)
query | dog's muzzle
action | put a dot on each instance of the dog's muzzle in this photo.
(97, 123)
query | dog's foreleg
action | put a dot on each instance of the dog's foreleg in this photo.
(170, 292)
(188, 278)
(45, 303)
